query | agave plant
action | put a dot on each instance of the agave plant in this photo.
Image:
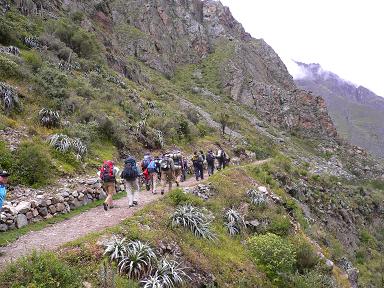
(194, 219)
(152, 281)
(60, 142)
(116, 248)
(79, 148)
(9, 97)
(257, 197)
(49, 118)
(170, 273)
(234, 221)
(138, 260)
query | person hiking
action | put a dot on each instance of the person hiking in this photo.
(108, 173)
(184, 170)
(167, 172)
(198, 165)
(131, 175)
(144, 164)
(3, 189)
(152, 170)
(178, 164)
(221, 158)
(210, 162)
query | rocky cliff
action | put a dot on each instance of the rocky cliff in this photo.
(356, 111)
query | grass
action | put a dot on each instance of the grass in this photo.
(12, 235)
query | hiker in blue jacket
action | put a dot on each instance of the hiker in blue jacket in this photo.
(3, 190)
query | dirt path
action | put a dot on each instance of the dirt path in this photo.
(80, 225)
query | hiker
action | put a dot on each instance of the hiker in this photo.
(3, 190)
(167, 172)
(107, 173)
(210, 162)
(184, 170)
(198, 163)
(144, 164)
(221, 158)
(178, 166)
(153, 169)
(131, 175)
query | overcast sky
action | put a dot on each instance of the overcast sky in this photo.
(343, 36)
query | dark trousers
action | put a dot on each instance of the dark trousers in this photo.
(199, 172)
(211, 168)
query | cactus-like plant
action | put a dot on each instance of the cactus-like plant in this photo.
(9, 97)
(138, 260)
(234, 222)
(60, 142)
(257, 197)
(152, 281)
(116, 248)
(79, 148)
(49, 118)
(194, 219)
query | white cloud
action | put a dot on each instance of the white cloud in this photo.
(344, 36)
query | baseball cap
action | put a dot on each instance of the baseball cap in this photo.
(4, 173)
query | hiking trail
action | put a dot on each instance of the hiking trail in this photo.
(93, 220)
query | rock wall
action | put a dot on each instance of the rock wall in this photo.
(18, 213)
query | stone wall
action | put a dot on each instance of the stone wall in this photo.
(19, 213)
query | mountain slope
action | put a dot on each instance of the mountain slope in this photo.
(356, 111)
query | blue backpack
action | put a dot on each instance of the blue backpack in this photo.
(130, 171)
(152, 167)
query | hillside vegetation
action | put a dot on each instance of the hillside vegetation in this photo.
(85, 81)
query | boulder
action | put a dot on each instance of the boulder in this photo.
(3, 227)
(262, 189)
(60, 207)
(29, 215)
(23, 207)
(52, 209)
(21, 221)
(43, 211)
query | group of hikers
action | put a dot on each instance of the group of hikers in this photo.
(168, 168)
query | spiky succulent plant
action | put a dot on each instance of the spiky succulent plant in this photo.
(9, 97)
(234, 222)
(138, 260)
(49, 118)
(195, 219)
(257, 197)
(116, 248)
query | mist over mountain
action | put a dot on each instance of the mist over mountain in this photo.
(357, 112)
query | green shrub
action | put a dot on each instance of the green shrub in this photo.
(9, 69)
(273, 253)
(280, 225)
(312, 279)
(43, 270)
(33, 164)
(178, 197)
(6, 157)
(33, 59)
(306, 257)
(52, 83)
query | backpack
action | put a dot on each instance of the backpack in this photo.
(146, 161)
(130, 171)
(106, 172)
(210, 158)
(177, 159)
(152, 167)
(164, 164)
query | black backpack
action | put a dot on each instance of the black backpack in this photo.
(210, 158)
(130, 170)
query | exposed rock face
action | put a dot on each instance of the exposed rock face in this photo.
(356, 111)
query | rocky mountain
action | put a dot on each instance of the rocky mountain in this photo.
(85, 81)
(356, 111)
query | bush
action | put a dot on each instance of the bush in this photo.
(312, 279)
(306, 256)
(273, 253)
(41, 270)
(33, 164)
(6, 157)
(9, 69)
(33, 59)
(52, 83)
(280, 225)
(178, 197)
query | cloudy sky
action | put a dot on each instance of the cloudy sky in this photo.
(344, 36)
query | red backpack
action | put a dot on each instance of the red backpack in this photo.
(106, 172)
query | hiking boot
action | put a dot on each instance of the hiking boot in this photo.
(130, 206)
(162, 192)
(154, 192)
(177, 184)
(135, 203)
(105, 206)
(148, 187)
